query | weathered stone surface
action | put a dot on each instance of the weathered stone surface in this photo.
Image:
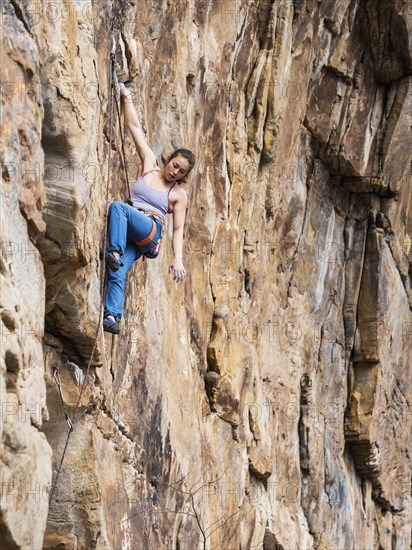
(265, 403)
(25, 455)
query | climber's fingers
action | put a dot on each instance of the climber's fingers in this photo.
(125, 93)
(179, 273)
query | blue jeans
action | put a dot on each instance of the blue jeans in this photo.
(126, 224)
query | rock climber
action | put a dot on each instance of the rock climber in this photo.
(136, 230)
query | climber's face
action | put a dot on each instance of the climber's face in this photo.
(176, 168)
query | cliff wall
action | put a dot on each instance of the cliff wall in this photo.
(265, 402)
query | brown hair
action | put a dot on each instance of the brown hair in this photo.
(188, 155)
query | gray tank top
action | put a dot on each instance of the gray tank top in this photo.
(146, 198)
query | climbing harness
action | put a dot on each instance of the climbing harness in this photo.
(155, 214)
(155, 249)
(147, 240)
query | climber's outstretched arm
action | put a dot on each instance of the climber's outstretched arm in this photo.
(179, 213)
(146, 155)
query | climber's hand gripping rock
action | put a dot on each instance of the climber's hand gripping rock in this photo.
(124, 92)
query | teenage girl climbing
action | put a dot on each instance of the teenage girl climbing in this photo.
(136, 230)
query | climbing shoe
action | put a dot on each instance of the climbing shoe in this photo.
(112, 262)
(110, 325)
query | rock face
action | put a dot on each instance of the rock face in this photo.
(265, 402)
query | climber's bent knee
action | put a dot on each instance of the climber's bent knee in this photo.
(116, 205)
